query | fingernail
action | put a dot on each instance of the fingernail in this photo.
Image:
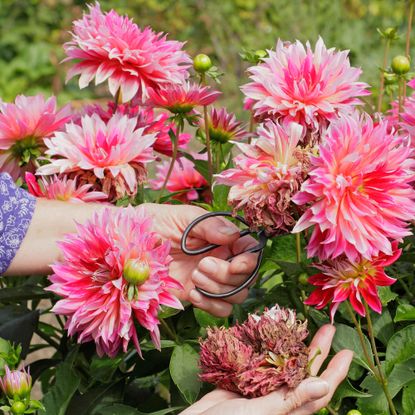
(318, 388)
(195, 297)
(227, 230)
(208, 265)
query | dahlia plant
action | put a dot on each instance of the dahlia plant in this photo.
(315, 159)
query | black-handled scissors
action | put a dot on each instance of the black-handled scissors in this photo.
(262, 241)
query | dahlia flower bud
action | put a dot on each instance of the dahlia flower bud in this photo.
(18, 408)
(16, 384)
(202, 63)
(400, 65)
(258, 356)
(136, 272)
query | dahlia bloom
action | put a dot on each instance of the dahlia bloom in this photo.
(182, 99)
(258, 356)
(342, 279)
(184, 179)
(62, 188)
(23, 126)
(110, 47)
(359, 189)
(109, 155)
(298, 84)
(16, 384)
(223, 127)
(407, 123)
(114, 272)
(266, 175)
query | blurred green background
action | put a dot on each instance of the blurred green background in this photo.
(32, 33)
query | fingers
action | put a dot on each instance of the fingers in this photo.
(320, 347)
(335, 373)
(216, 307)
(210, 400)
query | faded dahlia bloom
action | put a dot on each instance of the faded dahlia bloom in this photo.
(110, 47)
(182, 99)
(62, 188)
(223, 127)
(184, 180)
(115, 272)
(23, 126)
(16, 384)
(111, 156)
(357, 281)
(298, 84)
(360, 191)
(258, 356)
(268, 173)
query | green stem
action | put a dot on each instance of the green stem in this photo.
(47, 339)
(173, 160)
(382, 378)
(298, 246)
(332, 410)
(382, 75)
(401, 84)
(172, 335)
(408, 37)
(118, 98)
(362, 339)
(406, 288)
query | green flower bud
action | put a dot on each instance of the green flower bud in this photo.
(202, 63)
(322, 411)
(18, 408)
(136, 272)
(400, 64)
(354, 412)
(261, 53)
(390, 32)
(390, 78)
(303, 278)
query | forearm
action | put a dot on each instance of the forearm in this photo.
(51, 221)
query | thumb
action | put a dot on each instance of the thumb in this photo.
(216, 230)
(310, 390)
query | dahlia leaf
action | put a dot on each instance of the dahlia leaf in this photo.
(408, 398)
(207, 320)
(347, 390)
(184, 370)
(383, 326)
(401, 347)
(405, 312)
(119, 409)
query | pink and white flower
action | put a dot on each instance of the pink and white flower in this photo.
(110, 47)
(359, 193)
(114, 272)
(23, 127)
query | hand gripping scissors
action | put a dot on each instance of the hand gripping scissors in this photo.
(262, 242)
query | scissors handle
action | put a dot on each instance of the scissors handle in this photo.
(262, 241)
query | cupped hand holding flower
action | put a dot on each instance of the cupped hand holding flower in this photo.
(310, 396)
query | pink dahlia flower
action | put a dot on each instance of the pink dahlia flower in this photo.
(298, 84)
(182, 99)
(115, 271)
(62, 188)
(406, 125)
(23, 126)
(223, 127)
(184, 180)
(109, 155)
(359, 189)
(268, 173)
(258, 356)
(356, 281)
(110, 47)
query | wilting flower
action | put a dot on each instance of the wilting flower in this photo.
(298, 84)
(114, 272)
(111, 47)
(359, 189)
(268, 173)
(258, 356)
(357, 281)
(182, 99)
(62, 188)
(23, 126)
(16, 384)
(184, 179)
(109, 155)
(223, 127)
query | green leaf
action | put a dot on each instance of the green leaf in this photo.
(401, 347)
(184, 370)
(23, 292)
(283, 248)
(383, 326)
(347, 338)
(220, 197)
(207, 320)
(167, 312)
(386, 295)
(201, 165)
(57, 399)
(103, 368)
(405, 312)
(408, 398)
(119, 409)
(291, 269)
(347, 390)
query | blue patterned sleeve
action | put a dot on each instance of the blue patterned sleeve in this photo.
(16, 211)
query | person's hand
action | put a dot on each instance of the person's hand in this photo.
(310, 396)
(210, 271)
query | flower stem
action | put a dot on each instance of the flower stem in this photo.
(173, 160)
(408, 36)
(298, 246)
(401, 85)
(118, 98)
(168, 330)
(382, 74)
(382, 379)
